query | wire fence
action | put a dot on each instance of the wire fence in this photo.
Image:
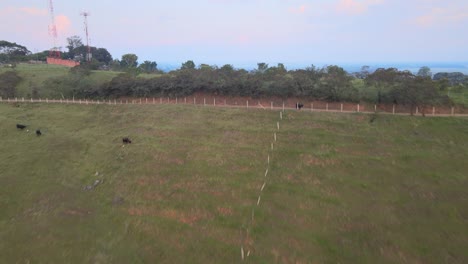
(240, 102)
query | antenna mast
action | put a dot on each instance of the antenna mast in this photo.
(54, 52)
(85, 15)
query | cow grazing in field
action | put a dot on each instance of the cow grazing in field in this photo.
(126, 140)
(20, 126)
(299, 106)
(38, 132)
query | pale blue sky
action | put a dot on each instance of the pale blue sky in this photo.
(249, 31)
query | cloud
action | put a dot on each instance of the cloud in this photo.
(63, 24)
(442, 16)
(355, 7)
(298, 10)
(33, 11)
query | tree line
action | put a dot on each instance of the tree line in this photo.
(329, 83)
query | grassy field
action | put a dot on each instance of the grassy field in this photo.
(459, 96)
(340, 189)
(35, 76)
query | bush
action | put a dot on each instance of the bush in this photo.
(8, 82)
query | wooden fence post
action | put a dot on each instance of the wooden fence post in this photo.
(453, 110)
(393, 111)
(247, 104)
(433, 110)
(283, 106)
(358, 107)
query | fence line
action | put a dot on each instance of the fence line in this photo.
(244, 235)
(314, 107)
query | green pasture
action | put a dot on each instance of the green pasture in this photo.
(341, 188)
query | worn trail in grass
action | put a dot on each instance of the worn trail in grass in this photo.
(340, 189)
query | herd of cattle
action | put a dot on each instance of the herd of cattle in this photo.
(125, 140)
(20, 126)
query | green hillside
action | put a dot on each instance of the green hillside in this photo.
(37, 77)
(340, 188)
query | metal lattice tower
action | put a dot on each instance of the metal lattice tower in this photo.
(85, 15)
(54, 52)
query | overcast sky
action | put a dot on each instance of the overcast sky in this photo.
(245, 31)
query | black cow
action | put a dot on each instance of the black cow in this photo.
(126, 140)
(20, 126)
(38, 132)
(299, 106)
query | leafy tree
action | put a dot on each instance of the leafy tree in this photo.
(227, 68)
(12, 52)
(101, 55)
(73, 43)
(188, 65)
(39, 56)
(262, 67)
(278, 70)
(129, 61)
(418, 92)
(148, 66)
(119, 86)
(363, 73)
(443, 84)
(384, 81)
(453, 77)
(206, 67)
(335, 85)
(425, 72)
